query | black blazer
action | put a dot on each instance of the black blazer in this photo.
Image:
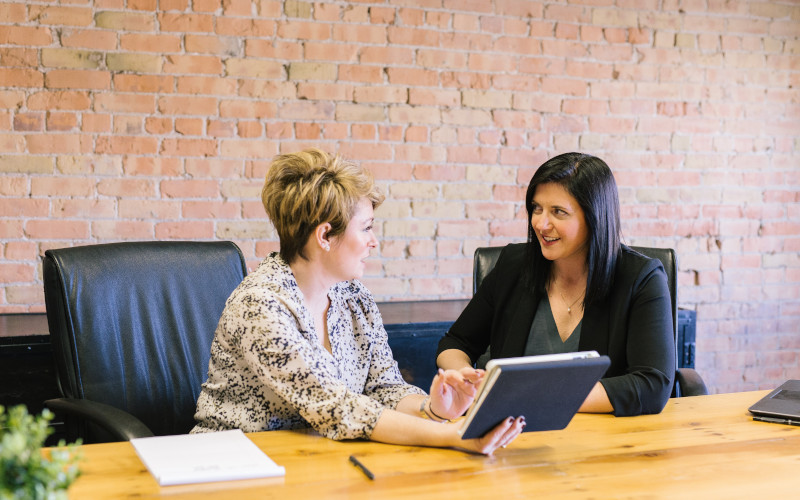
(633, 326)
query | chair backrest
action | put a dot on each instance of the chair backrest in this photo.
(131, 324)
(484, 261)
(670, 262)
(486, 258)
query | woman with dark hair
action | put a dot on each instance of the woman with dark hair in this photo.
(575, 287)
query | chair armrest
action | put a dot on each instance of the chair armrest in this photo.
(120, 424)
(690, 382)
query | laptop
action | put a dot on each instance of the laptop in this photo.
(547, 390)
(781, 406)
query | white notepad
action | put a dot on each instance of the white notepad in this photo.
(203, 458)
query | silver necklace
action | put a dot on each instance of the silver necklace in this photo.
(569, 307)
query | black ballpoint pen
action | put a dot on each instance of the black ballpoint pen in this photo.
(361, 466)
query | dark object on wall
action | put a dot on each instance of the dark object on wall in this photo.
(687, 331)
(131, 326)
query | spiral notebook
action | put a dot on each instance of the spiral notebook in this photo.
(547, 390)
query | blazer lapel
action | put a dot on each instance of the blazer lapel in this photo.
(595, 319)
(520, 324)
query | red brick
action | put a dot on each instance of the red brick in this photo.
(231, 7)
(57, 229)
(249, 129)
(61, 121)
(180, 105)
(185, 230)
(307, 130)
(412, 36)
(267, 89)
(182, 64)
(362, 34)
(89, 39)
(189, 147)
(185, 23)
(189, 126)
(214, 168)
(21, 250)
(122, 230)
(83, 208)
(330, 52)
(17, 77)
(145, 42)
(211, 209)
(211, 44)
(148, 5)
(25, 35)
(126, 145)
(11, 229)
(290, 51)
(325, 91)
(16, 273)
(24, 207)
(58, 143)
(411, 76)
(77, 79)
(149, 209)
(247, 109)
(220, 128)
(304, 30)
(29, 122)
(387, 55)
(13, 56)
(13, 13)
(122, 103)
(361, 73)
(143, 83)
(381, 15)
(245, 27)
(154, 125)
(206, 85)
(69, 16)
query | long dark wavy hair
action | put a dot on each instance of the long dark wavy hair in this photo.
(590, 181)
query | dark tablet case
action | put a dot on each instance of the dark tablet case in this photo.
(547, 393)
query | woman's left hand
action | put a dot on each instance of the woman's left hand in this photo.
(453, 391)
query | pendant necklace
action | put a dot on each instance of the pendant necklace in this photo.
(569, 307)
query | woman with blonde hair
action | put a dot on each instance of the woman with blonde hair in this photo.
(301, 341)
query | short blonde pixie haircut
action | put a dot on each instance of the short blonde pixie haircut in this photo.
(305, 189)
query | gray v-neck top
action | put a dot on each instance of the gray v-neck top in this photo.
(544, 338)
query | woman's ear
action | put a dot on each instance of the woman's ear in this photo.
(321, 236)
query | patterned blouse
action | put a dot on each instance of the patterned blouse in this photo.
(268, 369)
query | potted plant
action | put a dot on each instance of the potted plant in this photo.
(27, 471)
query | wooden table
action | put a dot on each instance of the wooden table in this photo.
(700, 447)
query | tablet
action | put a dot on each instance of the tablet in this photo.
(547, 390)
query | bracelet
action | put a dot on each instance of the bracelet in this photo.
(430, 407)
(428, 412)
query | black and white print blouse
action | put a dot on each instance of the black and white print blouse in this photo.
(268, 369)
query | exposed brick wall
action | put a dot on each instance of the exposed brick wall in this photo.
(156, 119)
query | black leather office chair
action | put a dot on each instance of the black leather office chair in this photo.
(687, 381)
(131, 326)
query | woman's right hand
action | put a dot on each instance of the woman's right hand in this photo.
(505, 432)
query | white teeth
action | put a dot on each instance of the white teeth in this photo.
(549, 240)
